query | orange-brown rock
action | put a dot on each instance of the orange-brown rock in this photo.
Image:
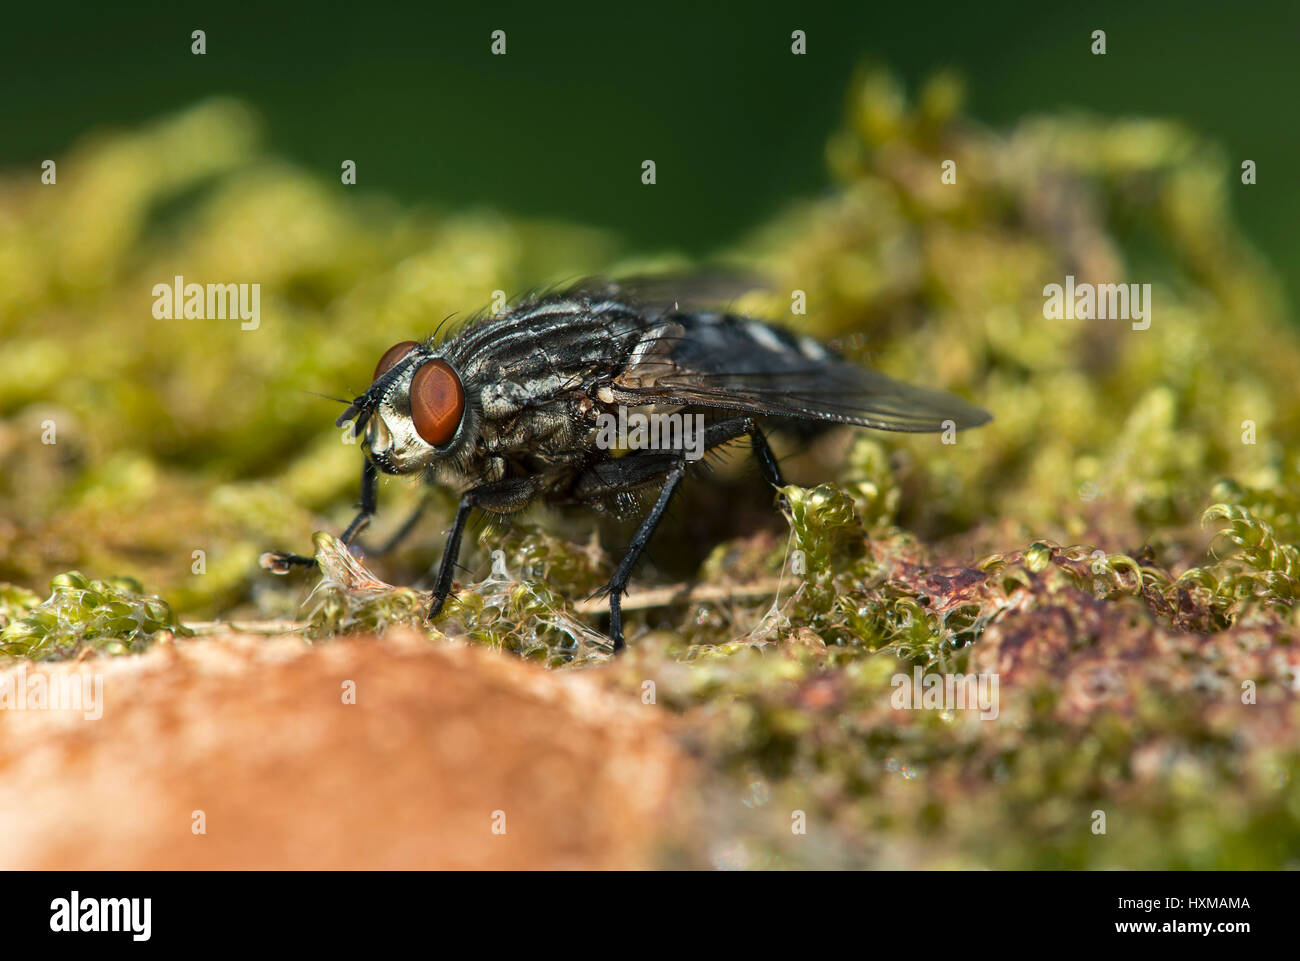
(254, 733)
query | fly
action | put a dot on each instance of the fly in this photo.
(515, 408)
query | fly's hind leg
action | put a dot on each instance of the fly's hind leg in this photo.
(767, 462)
(636, 470)
(621, 476)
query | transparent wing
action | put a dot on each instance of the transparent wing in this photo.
(712, 287)
(837, 392)
(715, 359)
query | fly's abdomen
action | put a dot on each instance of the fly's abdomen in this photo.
(718, 343)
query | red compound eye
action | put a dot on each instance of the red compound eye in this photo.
(391, 356)
(437, 401)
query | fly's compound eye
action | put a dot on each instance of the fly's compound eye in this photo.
(437, 401)
(392, 356)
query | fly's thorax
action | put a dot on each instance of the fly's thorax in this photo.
(555, 433)
(507, 399)
(541, 354)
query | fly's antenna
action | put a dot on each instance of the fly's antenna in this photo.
(315, 393)
(364, 405)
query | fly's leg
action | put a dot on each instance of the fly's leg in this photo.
(762, 449)
(608, 478)
(387, 547)
(369, 501)
(634, 477)
(399, 535)
(618, 583)
(278, 562)
(442, 586)
(767, 463)
(611, 478)
(730, 429)
(636, 470)
(497, 497)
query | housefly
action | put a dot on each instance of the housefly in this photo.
(515, 407)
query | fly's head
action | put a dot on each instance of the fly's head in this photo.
(414, 414)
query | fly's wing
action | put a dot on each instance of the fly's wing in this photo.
(842, 394)
(672, 292)
(720, 361)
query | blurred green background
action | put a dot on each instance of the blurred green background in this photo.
(559, 126)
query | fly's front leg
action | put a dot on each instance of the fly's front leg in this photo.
(497, 497)
(278, 562)
(369, 501)
(401, 533)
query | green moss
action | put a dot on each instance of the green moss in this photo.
(351, 600)
(525, 616)
(112, 616)
(15, 603)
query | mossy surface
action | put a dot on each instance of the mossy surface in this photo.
(1121, 545)
(111, 616)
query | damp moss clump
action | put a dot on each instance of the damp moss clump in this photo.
(351, 600)
(526, 604)
(113, 616)
(524, 613)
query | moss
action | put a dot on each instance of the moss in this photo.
(110, 616)
(349, 599)
(527, 616)
(15, 603)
